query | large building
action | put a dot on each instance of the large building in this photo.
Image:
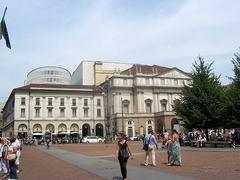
(100, 98)
(64, 110)
(96, 72)
(141, 98)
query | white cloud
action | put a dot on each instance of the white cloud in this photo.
(168, 33)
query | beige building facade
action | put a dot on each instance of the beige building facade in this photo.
(141, 98)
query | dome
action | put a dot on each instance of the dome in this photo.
(49, 75)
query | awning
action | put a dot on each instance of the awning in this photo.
(63, 133)
(37, 134)
(74, 132)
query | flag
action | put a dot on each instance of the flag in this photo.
(4, 33)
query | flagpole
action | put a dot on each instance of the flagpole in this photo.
(4, 13)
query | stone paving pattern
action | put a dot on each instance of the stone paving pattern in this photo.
(202, 163)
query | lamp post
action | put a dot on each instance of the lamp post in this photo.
(122, 116)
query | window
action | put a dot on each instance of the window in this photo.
(62, 102)
(125, 83)
(163, 104)
(98, 102)
(74, 112)
(99, 113)
(148, 103)
(175, 82)
(162, 81)
(50, 112)
(73, 102)
(85, 102)
(50, 101)
(147, 81)
(62, 112)
(129, 122)
(37, 101)
(37, 112)
(149, 122)
(85, 112)
(125, 106)
(23, 101)
(23, 114)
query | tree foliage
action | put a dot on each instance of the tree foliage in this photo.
(201, 103)
(232, 105)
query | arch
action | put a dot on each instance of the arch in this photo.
(22, 128)
(50, 128)
(74, 128)
(99, 130)
(86, 130)
(37, 128)
(149, 125)
(62, 128)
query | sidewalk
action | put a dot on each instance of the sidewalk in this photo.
(108, 169)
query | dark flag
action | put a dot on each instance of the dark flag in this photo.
(3, 30)
(4, 33)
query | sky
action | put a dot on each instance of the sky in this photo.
(170, 33)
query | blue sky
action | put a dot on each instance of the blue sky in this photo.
(170, 33)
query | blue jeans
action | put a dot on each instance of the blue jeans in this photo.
(13, 170)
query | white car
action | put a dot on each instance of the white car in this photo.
(92, 139)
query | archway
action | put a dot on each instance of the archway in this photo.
(50, 128)
(22, 131)
(86, 130)
(37, 128)
(99, 130)
(74, 133)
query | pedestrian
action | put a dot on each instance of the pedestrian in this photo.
(48, 143)
(122, 153)
(12, 163)
(169, 144)
(152, 146)
(19, 148)
(4, 151)
(176, 158)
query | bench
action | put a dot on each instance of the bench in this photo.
(214, 143)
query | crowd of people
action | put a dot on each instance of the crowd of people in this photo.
(10, 152)
(123, 150)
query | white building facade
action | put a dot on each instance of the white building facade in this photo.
(64, 110)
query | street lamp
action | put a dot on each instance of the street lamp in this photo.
(122, 116)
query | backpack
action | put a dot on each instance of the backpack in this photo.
(4, 150)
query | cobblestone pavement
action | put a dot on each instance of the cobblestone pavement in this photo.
(203, 163)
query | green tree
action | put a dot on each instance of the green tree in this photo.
(232, 105)
(201, 103)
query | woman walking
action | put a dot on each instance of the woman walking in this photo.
(122, 153)
(12, 162)
(176, 158)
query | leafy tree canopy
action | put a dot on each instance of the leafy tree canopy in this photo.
(200, 105)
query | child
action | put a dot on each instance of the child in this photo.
(169, 150)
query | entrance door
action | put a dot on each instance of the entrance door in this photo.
(86, 130)
(99, 130)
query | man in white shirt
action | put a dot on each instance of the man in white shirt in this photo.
(152, 145)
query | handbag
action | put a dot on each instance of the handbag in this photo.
(145, 146)
(123, 153)
(11, 157)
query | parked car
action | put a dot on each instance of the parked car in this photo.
(136, 138)
(92, 139)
